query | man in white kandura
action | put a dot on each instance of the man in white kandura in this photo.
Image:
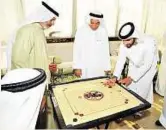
(161, 79)
(162, 119)
(91, 56)
(20, 98)
(141, 51)
(27, 48)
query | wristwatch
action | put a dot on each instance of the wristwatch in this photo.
(114, 77)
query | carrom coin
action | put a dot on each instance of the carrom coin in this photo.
(74, 119)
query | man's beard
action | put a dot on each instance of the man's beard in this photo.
(46, 27)
(130, 45)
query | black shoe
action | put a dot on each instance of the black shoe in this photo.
(138, 115)
(158, 123)
(119, 120)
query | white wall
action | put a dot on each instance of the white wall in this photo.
(62, 50)
(10, 15)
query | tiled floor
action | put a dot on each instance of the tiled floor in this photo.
(146, 122)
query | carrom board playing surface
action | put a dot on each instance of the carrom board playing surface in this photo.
(86, 101)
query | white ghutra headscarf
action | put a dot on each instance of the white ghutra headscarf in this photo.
(21, 95)
(95, 15)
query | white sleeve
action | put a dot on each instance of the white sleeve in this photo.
(77, 51)
(120, 61)
(149, 57)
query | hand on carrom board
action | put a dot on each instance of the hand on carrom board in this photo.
(78, 72)
(110, 82)
(53, 67)
(126, 81)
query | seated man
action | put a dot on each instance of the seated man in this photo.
(91, 56)
(141, 51)
(28, 48)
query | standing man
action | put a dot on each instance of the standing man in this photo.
(141, 51)
(91, 56)
(28, 47)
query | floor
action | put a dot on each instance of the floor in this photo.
(146, 122)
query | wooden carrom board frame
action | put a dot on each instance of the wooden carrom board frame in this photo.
(65, 119)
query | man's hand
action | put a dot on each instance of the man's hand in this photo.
(43, 104)
(110, 82)
(126, 81)
(53, 67)
(78, 72)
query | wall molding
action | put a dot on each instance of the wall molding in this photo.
(68, 40)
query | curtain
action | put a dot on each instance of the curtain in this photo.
(130, 11)
(11, 13)
(110, 10)
(65, 20)
(156, 21)
(83, 8)
(146, 14)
